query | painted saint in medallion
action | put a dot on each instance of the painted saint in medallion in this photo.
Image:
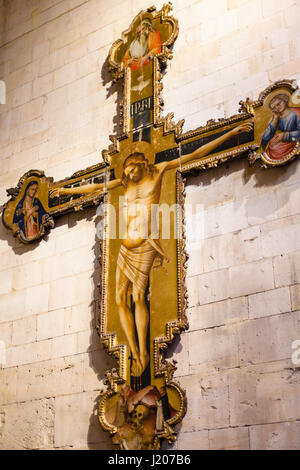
(30, 213)
(146, 45)
(283, 131)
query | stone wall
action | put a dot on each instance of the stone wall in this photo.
(243, 278)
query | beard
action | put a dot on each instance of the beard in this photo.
(143, 38)
(139, 47)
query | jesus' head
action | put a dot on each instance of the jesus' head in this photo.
(135, 167)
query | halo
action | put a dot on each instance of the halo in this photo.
(275, 93)
(139, 147)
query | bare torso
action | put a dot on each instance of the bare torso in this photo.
(139, 200)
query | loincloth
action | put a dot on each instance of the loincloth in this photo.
(136, 263)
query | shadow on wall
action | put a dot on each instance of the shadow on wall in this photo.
(112, 88)
(245, 180)
(99, 361)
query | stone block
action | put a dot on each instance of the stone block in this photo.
(288, 200)
(23, 55)
(43, 85)
(208, 402)
(249, 13)
(33, 109)
(100, 38)
(268, 339)
(232, 249)
(75, 239)
(6, 333)
(28, 353)
(87, 341)
(287, 269)
(27, 276)
(83, 406)
(12, 306)
(269, 303)
(88, 64)
(214, 349)
(27, 426)
(53, 12)
(224, 218)
(281, 236)
(259, 398)
(65, 264)
(193, 291)
(229, 439)
(295, 297)
(270, 7)
(291, 14)
(20, 95)
(195, 261)
(251, 278)
(275, 57)
(36, 299)
(24, 331)
(218, 313)
(65, 75)
(261, 207)
(227, 23)
(63, 346)
(21, 76)
(6, 281)
(50, 378)
(213, 286)
(8, 386)
(277, 436)
(77, 318)
(197, 440)
(50, 324)
(27, 157)
(53, 61)
(41, 50)
(70, 291)
(34, 140)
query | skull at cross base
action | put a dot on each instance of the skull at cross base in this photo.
(139, 414)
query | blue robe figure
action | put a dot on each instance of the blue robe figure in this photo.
(283, 131)
(29, 213)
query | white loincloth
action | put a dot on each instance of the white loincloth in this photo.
(136, 263)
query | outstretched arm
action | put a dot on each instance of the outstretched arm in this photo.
(84, 189)
(208, 148)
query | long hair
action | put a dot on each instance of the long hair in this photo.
(138, 159)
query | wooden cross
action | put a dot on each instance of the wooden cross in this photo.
(142, 285)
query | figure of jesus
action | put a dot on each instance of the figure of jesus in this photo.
(139, 246)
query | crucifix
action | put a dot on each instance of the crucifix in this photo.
(142, 285)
